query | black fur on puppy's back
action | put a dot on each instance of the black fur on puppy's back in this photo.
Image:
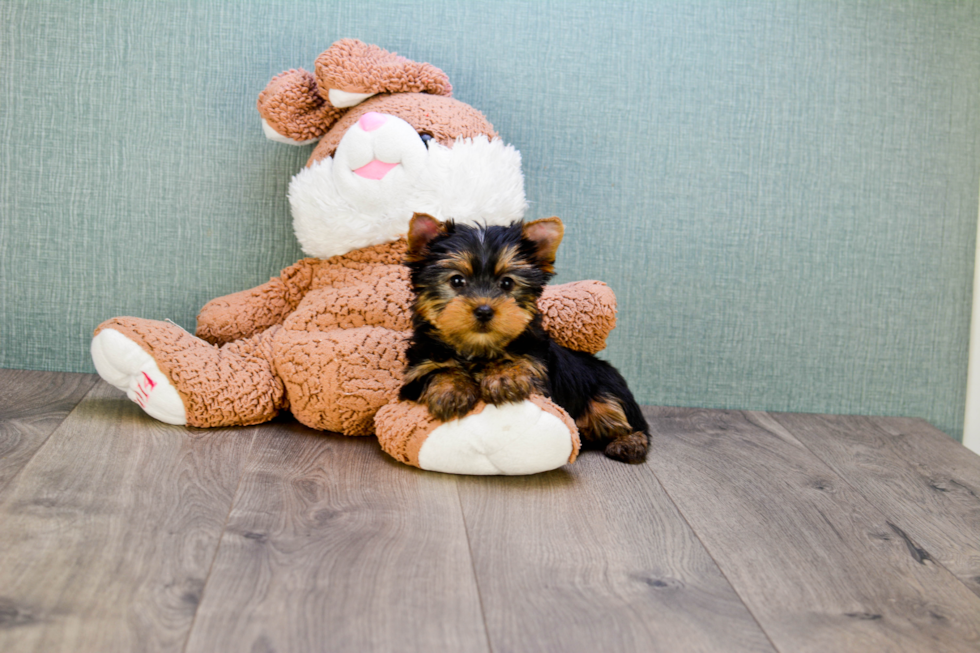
(576, 377)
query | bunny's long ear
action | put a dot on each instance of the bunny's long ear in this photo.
(293, 111)
(299, 107)
(350, 71)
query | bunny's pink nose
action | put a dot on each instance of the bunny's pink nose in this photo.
(371, 121)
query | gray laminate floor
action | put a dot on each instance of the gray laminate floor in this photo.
(743, 532)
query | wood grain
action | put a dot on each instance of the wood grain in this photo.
(32, 405)
(922, 480)
(333, 546)
(819, 567)
(107, 534)
(595, 557)
(790, 532)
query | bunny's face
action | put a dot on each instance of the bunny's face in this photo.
(386, 151)
(395, 156)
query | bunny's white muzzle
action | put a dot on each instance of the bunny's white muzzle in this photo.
(382, 172)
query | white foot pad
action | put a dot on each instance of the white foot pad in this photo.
(125, 365)
(509, 439)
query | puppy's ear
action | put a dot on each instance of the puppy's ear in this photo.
(546, 234)
(422, 229)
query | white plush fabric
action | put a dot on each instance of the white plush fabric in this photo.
(336, 211)
(344, 99)
(124, 364)
(510, 439)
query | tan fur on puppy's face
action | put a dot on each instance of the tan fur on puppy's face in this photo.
(459, 327)
(603, 419)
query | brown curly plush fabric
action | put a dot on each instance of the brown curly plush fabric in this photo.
(339, 379)
(296, 103)
(444, 118)
(403, 427)
(292, 105)
(371, 279)
(579, 315)
(233, 385)
(356, 67)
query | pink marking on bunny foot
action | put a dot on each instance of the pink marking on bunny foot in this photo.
(127, 366)
(144, 386)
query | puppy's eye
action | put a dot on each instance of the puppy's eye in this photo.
(457, 281)
(425, 139)
(506, 284)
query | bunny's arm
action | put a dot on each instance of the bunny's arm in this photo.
(243, 314)
(579, 315)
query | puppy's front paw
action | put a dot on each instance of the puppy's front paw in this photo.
(450, 396)
(510, 382)
(630, 448)
(502, 389)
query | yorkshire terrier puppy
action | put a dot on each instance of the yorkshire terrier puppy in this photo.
(478, 334)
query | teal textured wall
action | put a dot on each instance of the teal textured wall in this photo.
(783, 194)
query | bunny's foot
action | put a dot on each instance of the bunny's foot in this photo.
(178, 378)
(127, 366)
(526, 437)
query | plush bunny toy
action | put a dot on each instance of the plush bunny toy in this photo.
(326, 338)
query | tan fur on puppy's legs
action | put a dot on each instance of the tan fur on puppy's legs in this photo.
(512, 380)
(450, 394)
(605, 421)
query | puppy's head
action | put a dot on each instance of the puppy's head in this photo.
(479, 286)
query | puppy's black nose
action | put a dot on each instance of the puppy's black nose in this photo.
(483, 313)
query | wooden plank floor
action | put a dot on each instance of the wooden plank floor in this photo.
(743, 532)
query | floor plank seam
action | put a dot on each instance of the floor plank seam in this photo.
(476, 577)
(217, 549)
(713, 560)
(9, 482)
(918, 553)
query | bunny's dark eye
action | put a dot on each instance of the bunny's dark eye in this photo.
(506, 284)
(425, 139)
(457, 281)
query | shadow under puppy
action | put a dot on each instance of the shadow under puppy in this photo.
(478, 334)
